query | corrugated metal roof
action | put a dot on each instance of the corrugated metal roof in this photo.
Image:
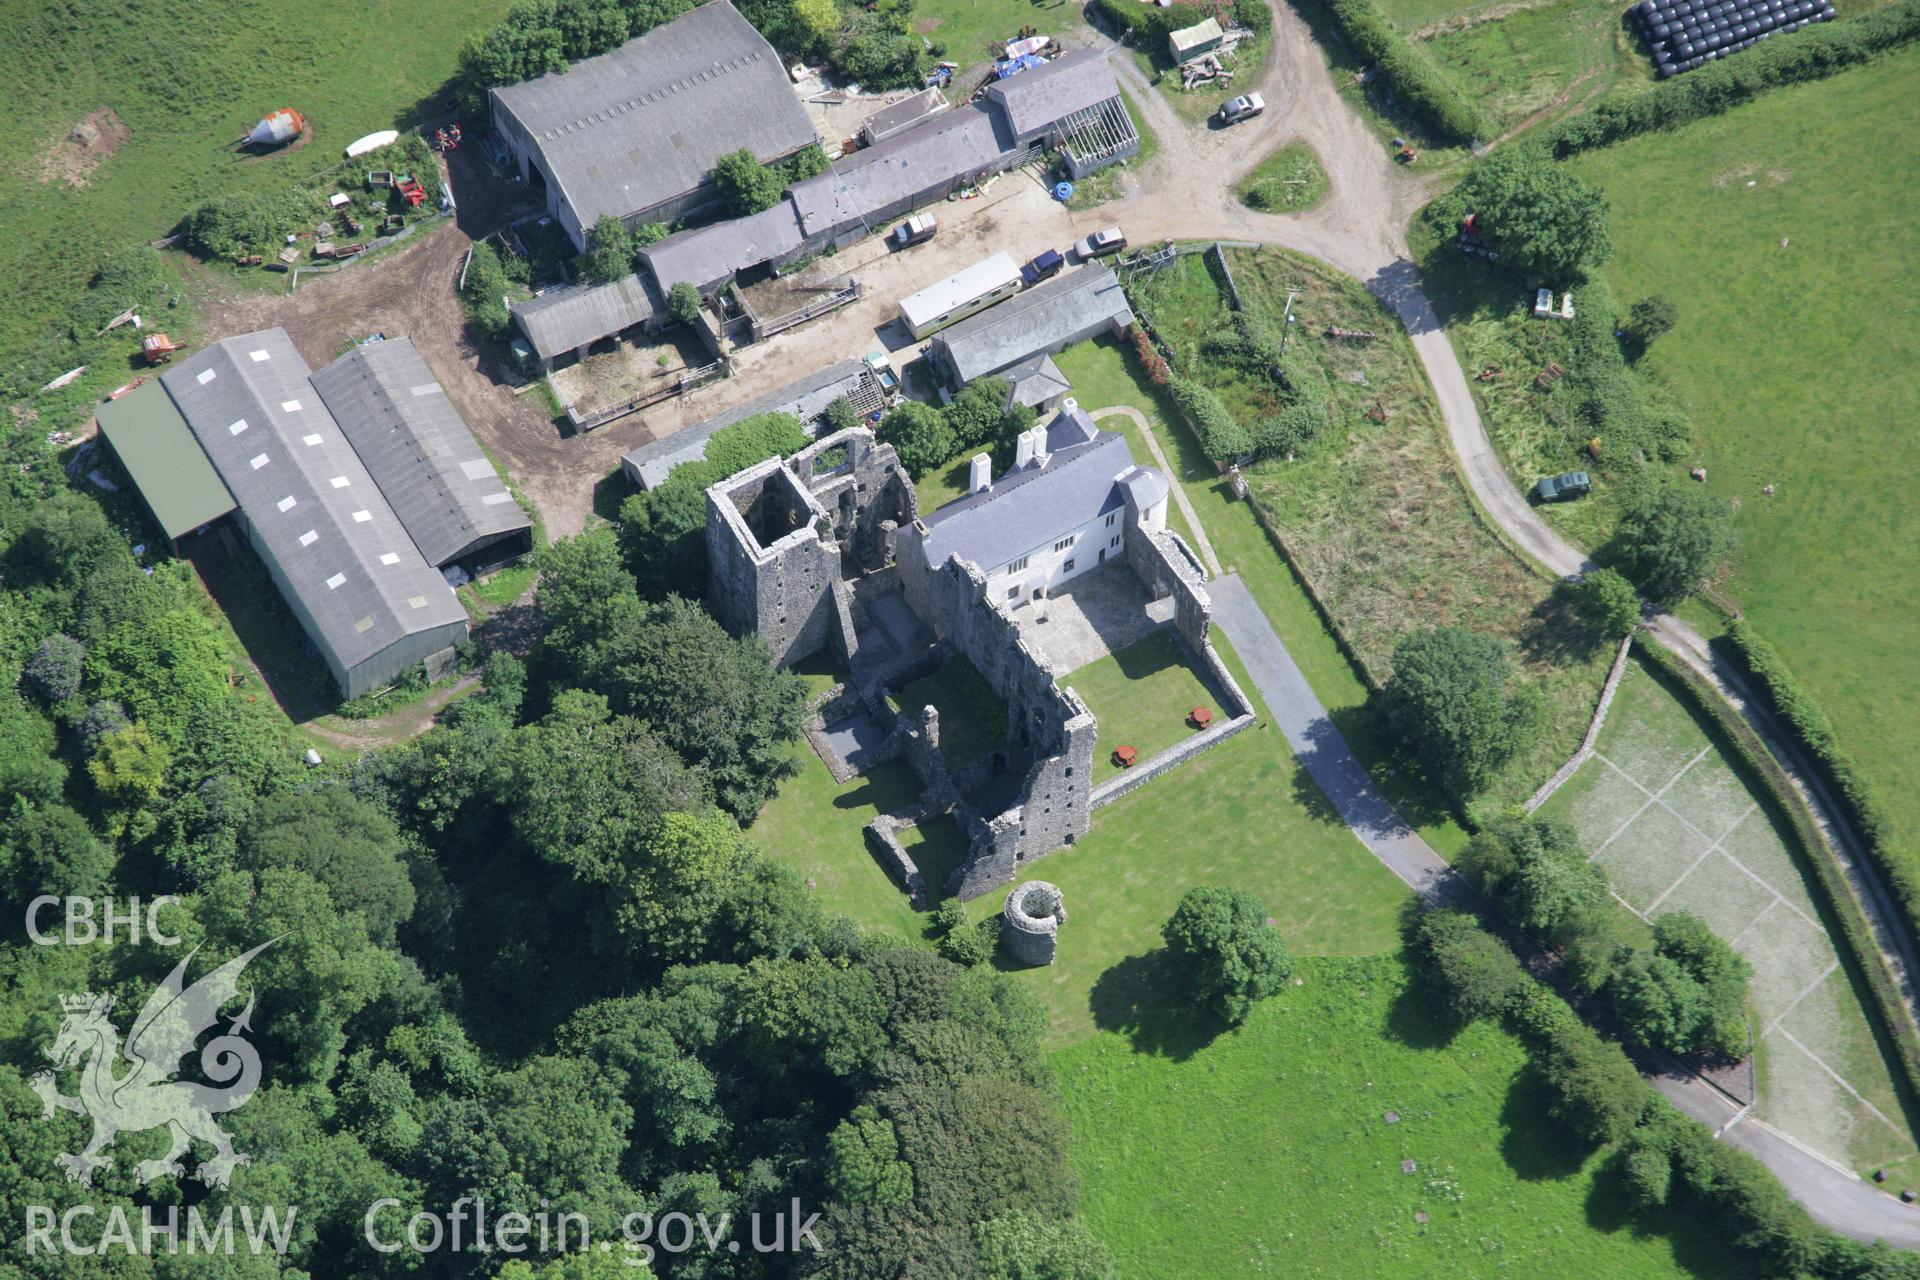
(1199, 35)
(707, 255)
(571, 316)
(1027, 509)
(314, 509)
(805, 398)
(957, 143)
(153, 443)
(1034, 320)
(629, 129)
(1036, 99)
(959, 288)
(397, 417)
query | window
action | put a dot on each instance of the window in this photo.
(1017, 565)
(1112, 518)
(1114, 541)
(1013, 593)
(1065, 542)
(1067, 567)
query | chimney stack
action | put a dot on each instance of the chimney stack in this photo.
(1039, 446)
(1023, 449)
(979, 473)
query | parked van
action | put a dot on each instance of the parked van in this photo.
(920, 226)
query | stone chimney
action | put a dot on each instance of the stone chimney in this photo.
(1038, 450)
(979, 473)
(1022, 449)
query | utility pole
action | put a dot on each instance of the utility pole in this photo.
(1286, 328)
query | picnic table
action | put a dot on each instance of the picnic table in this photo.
(1125, 756)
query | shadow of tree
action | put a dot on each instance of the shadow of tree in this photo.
(1534, 1147)
(1142, 997)
(1555, 635)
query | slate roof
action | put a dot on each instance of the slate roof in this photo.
(153, 443)
(805, 398)
(397, 417)
(1027, 509)
(1032, 321)
(706, 255)
(1035, 380)
(962, 141)
(573, 315)
(642, 124)
(357, 579)
(1033, 100)
(893, 119)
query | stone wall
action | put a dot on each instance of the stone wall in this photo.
(883, 838)
(1031, 920)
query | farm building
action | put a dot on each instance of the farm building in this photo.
(707, 257)
(634, 133)
(181, 490)
(895, 119)
(1190, 42)
(1050, 317)
(569, 319)
(1072, 105)
(1037, 383)
(806, 399)
(430, 469)
(310, 508)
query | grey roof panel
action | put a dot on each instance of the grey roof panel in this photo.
(571, 316)
(1036, 380)
(893, 119)
(805, 398)
(397, 417)
(1028, 508)
(314, 509)
(1036, 99)
(953, 144)
(628, 129)
(707, 255)
(1034, 320)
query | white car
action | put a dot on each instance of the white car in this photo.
(1100, 244)
(1244, 107)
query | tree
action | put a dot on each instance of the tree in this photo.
(808, 162)
(1023, 1245)
(1538, 873)
(974, 413)
(129, 767)
(755, 439)
(609, 252)
(1478, 970)
(1607, 602)
(29, 768)
(920, 435)
(842, 416)
(165, 670)
(1651, 318)
(1671, 539)
(863, 1160)
(55, 670)
(1229, 955)
(683, 304)
(1544, 220)
(820, 18)
(62, 540)
(483, 300)
(343, 842)
(1690, 995)
(1597, 1092)
(52, 850)
(1452, 703)
(745, 185)
(663, 536)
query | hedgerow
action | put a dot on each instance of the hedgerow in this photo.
(1423, 87)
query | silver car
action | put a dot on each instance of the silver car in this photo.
(1244, 107)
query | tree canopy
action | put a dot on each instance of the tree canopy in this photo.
(1546, 222)
(1455, 704)
(1226, 952)
(1672, 538)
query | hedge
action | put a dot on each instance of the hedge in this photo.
(1221, 434)
(1423, 87)
(1759, 763)
(1822, 50)
(1794, 705)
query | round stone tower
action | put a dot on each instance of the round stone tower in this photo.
(1031, 922)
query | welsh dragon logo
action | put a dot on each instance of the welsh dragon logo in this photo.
(146, 1096)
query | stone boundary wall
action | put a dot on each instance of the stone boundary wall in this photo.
(1594, 726)
(1172, 758)
(884, 841)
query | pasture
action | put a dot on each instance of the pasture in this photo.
(1346, 1130)
(1784, 231)
(168, 90)
(1661, 807)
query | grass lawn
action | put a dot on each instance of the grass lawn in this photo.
(977, 31)
(1266, 1151)
(973, 719)
(1288, 181)
(1800, 367)
(185, 84)
(1141, 696)
(1249, 63)
(1377, 519)
(814, 826)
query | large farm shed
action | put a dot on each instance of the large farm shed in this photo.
(634, 133)
(354, 486)
(1044, 320)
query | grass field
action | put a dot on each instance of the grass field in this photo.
(1377, 520)
(1288, 181)
(976, 31)
(1267, 1151)
(1142, 697)
(186, 81)
(973, 719)
(1800, 366)
(1664, 811)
